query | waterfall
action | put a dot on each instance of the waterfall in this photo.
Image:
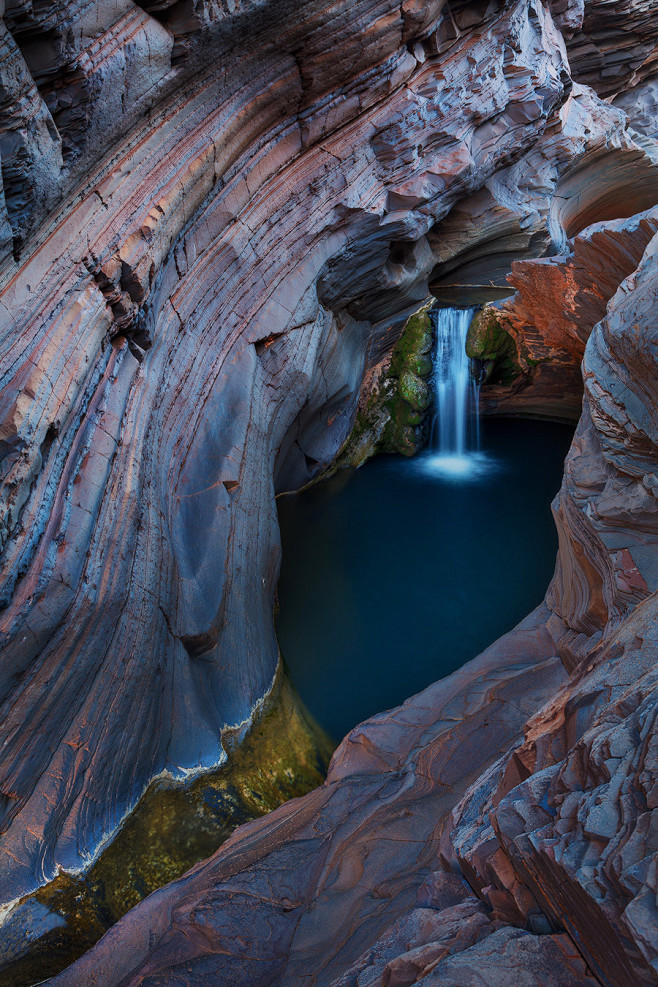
(455, 427)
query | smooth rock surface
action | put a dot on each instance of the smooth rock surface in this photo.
(323, 877)
(556, 838)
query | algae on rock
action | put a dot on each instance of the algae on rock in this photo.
(284, 754)
(396, 398)
(490, 343)
(411, 398)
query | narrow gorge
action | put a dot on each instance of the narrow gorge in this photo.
(230, 235)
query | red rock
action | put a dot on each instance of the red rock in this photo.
(557, 303)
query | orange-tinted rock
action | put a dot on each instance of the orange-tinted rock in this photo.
(557, 303)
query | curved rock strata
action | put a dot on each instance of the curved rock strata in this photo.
(534, 342)
(189, 325)
(214, 221)
(283, 755)
(323, 876)
(544, 870)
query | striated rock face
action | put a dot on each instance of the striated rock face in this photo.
(575, 842)
(283, 755)
(322, 878)
(186, 336)
(214, 220)
(544, 870)
(612, 46)
(536, 339)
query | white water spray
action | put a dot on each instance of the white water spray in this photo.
(455, 440)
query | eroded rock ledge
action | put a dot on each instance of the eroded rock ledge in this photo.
(214, 222)
(532, 345)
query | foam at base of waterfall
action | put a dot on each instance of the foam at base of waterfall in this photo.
(448, 466)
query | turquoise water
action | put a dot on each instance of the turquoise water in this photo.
(396, 574)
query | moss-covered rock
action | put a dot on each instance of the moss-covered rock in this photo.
(413, 389)
(410, 396)
(490, 342)
(395, 399)
(420, 364)
(285, 754)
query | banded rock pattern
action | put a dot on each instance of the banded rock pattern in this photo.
(194, 279)
(557, 302)
(544, 870)
(185, 337)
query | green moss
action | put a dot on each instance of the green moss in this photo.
(416, 339)
(414, 390)
(393, 417)
(411, 397)
(284, 755)
(489, 340)
(420, 364)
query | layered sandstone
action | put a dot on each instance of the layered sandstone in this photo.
(214, 220)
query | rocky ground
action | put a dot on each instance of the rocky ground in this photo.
(215, 221)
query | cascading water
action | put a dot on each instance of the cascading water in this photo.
(455, 440)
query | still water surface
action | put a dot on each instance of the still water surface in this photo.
(395, 575)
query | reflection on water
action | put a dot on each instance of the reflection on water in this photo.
(395, 575)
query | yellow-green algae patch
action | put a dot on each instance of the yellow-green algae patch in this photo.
(285, 754)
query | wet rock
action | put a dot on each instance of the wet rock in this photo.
(395, 398)
(283, 755)
(410, 373)
(490, 343)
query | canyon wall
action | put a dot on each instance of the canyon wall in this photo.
(214, 220)
(532, 345)
(429, 856)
